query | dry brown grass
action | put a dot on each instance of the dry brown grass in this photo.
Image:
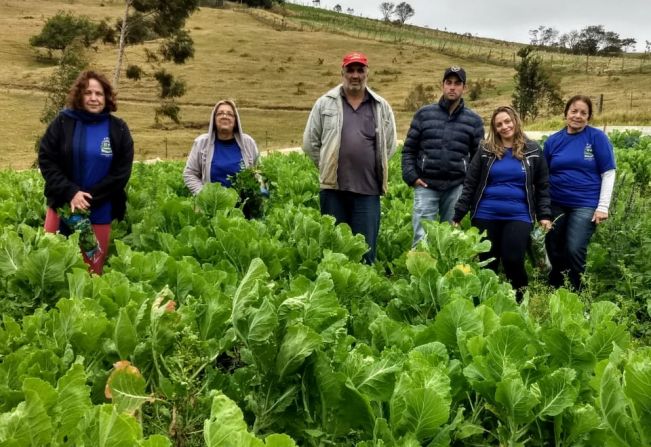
(275, 76)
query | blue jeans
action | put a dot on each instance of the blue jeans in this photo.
(361, 212)
(430, 203)
(567, 244)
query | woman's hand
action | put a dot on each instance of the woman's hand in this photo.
(80, 201)
(420, 183)
(546, 224)
(599, 216)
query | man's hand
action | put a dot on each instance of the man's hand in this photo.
(421, 183)
(80, 201)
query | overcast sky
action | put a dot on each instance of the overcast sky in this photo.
(511, 19)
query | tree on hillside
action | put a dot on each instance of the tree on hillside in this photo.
(386, 8)
(535, 87)
(62, 29)
(404, 12)
(337, 8)
(72, 62)
(164, 18)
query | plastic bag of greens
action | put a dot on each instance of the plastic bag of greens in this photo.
(538, 251)
(79, 221)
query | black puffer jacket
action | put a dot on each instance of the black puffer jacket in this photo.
(439, 146)
(56, 164)
(536, 183)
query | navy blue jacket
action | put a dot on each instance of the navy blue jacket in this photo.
(439, 146)
(55, 162)
(536, 183)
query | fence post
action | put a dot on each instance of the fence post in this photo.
(601, 103)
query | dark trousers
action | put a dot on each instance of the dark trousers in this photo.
(361, 212)
(567, 244)
(509, 241)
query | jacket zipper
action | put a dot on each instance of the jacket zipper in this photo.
(525, 164)
(483, 188)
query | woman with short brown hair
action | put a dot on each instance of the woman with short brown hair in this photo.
(85, 158)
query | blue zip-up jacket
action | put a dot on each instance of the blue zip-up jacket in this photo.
(536, 183)
(439, 146)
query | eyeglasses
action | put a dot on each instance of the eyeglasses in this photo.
(360, 70)
(229, 114)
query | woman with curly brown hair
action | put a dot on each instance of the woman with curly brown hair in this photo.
(85, 158)
(506, 189)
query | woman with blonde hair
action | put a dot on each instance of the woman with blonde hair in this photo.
(506, 189)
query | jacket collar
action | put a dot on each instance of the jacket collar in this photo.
(336, 93)
(445, 105)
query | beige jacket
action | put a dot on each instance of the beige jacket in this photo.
(197, 168)
(322, 136)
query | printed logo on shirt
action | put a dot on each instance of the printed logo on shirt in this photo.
(587, 152)
(105, 148)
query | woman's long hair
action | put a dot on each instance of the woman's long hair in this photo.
(75, 99)
(493, 142)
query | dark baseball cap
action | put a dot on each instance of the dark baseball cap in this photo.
(457, 71)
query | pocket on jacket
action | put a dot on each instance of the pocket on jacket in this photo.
(329, 120)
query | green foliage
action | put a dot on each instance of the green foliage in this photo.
(536, 89)
(134, 72)
(420, 96)
(210, 329)
(72, 62)
(251, 185)
(169, 86)
(62, 29)
(178, 48)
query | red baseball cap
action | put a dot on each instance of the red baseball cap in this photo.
(354, 58)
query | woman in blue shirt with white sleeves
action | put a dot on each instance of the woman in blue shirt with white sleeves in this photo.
(506, 191)
(581, 164)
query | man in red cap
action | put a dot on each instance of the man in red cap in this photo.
(350, 135)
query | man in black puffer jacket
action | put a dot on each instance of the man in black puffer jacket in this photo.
(441, 141)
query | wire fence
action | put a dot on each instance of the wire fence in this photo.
(465, 46)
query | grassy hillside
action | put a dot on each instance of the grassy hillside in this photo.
(275, 66)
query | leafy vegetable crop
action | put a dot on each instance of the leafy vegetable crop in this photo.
(211, 329)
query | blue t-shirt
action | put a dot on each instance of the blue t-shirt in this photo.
(505, 195)
(226, 161)
(96, 157)
(576, 162)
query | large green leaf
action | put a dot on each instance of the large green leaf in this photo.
(516, 400)
(558, 391)
(600, 343)
(564, 351)
(507, 350)
(580, 422)
(425, 411)
(126, 387)
(247, 295)
(28, 424)
(298, 343)
(73, 401)
(279, 440)
(614, 408)
(375, 378)
(457, 315)
(116, 429)
(637, 380)
(226, 427)
(124, 335)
